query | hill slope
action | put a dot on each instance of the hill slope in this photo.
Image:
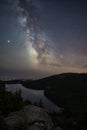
(66, 90)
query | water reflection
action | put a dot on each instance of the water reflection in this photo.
(34, 96)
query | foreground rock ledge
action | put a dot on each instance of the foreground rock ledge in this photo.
(29, 118)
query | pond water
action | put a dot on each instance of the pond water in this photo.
(33, 96)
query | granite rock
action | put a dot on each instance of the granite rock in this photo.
(29, 118)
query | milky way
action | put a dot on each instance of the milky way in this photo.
(35, 43)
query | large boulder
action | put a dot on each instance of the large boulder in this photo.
(29, 118)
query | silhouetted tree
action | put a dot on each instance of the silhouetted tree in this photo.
(40, 103)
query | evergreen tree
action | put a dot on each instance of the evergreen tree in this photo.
(40, 103)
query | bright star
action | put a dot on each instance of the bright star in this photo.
(8, 41)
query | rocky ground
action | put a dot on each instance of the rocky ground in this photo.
(30, 118)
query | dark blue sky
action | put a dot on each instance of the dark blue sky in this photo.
(42, 37)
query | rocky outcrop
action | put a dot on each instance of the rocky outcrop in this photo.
(29, 118)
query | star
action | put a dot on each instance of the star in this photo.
(8, 41)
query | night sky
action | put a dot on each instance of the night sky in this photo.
(42, 37)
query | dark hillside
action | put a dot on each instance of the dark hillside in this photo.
(66, 90)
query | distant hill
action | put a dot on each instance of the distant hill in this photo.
(17, 81)
(66, 90)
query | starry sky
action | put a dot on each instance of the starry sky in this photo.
(42, 37)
